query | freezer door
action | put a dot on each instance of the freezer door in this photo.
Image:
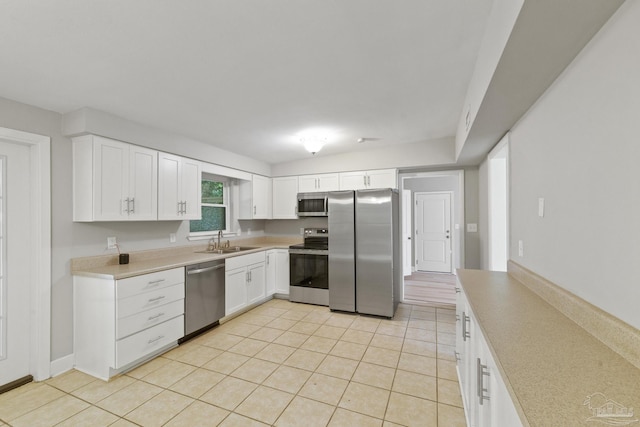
(342, 273)
(376, 231)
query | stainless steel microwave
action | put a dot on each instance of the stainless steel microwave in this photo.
(312, 204)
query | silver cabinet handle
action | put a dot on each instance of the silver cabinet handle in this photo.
(155, 282)
(156, 299)
(179, 208)
(125, 206)
(481, 372)
(457, 290)
(156, 317)
(155, 340)
(465, 333)
(254, 209)
(457, 356)
(133, 204)
(185, 207)
(364, 177)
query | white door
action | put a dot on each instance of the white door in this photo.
(406, 232)
(15, 250)
(433, 232)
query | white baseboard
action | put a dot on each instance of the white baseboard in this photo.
(62, 365)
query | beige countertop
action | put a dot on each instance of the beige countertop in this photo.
(144, 262)
(549, 363)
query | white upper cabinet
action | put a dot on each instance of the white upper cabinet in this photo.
(360, 180)
(256, 198)
(113, 180)
(321, 182)
(285, 190)
(179, 185)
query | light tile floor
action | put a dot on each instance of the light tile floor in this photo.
(282, 364)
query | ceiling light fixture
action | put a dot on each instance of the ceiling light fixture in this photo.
(313, 144)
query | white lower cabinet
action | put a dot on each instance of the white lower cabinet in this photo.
(486, 401)
(120, 323)
(244, 281)
(277, 271)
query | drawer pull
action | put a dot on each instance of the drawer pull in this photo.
(481, 372)
(156, 317)
(155, 282)
(156, 299)
(155, 340)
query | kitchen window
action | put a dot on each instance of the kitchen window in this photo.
(215, 212)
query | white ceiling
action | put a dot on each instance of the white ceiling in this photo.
(250, 75)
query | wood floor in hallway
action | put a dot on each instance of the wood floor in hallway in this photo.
(430, 288)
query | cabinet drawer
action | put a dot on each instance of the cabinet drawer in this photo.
(147, 282)
(148, 300)
(137, 322)
(244, 260)
(146, 342)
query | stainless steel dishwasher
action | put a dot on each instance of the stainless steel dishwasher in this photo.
(204, 297)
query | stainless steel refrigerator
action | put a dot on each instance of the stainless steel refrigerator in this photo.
(364, 258)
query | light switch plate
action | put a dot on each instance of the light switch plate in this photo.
(172, 237)
(541, 207)
(472, 228)
(520, 248)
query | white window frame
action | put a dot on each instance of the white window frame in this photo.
(199, 235)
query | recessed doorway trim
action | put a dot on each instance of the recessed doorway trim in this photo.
(40, 292)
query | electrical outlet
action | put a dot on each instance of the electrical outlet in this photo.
(111, 243)
(302, 231)
(520, 248)
(172, 237)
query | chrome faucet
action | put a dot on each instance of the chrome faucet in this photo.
(219, 237)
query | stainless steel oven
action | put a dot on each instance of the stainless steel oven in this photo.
(309, 268)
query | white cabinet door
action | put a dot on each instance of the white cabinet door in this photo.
(169, 206)
(235, 297)
(383, 178)
(178, 188)
(111, 179)
(190, 188)
(143, 183)
(270, 272)
(321, 182)
(256, 283)
(360, 180)
(307, 183)
(328, 182)
(285, 190)
(261, 192)
(282, 271)
(353, 181)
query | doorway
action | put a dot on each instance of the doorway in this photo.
(498, 202)
(25, 257)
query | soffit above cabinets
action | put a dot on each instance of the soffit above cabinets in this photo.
(546, 37)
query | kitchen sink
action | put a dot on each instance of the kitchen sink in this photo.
(229, 250)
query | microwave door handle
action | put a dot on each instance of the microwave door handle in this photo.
(326, 205)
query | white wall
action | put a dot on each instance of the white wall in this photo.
(579, 148)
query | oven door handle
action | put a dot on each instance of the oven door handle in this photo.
(308, 252)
